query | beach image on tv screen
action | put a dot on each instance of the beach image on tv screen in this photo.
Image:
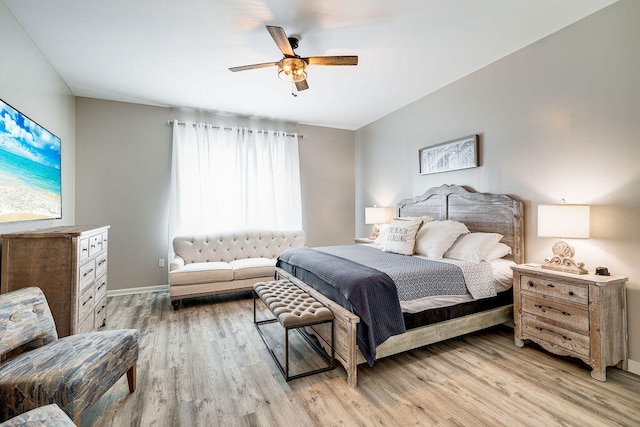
(29, 169)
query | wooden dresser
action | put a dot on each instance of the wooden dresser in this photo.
(583, 316)
(69, 264)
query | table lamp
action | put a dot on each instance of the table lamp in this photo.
(567, 222)
(376, 216)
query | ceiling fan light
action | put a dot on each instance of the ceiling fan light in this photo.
(292, 69)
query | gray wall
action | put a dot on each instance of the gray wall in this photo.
(123, 174)
(557, 119)
(29, 84)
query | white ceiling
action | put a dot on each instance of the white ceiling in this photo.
(177, 53)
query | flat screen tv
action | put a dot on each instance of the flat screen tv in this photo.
(29, 169)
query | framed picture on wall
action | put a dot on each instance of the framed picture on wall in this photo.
(460, 153)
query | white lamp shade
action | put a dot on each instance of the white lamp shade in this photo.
(565, 221)
(376, 215)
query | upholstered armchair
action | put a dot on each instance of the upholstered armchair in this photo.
(50, 416)
(38, 369)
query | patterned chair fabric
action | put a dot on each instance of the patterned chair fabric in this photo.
(50, 416)
(73, 372)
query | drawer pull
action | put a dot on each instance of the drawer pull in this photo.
(89, 299)
(543, 307)
(571, 293)
(88, 272)
(564, 337)
(531, 284)
(551, 285)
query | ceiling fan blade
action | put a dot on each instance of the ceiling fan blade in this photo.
(302, 85)
(280, 37)
(251, 67)
(332, 60)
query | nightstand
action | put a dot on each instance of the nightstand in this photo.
(363, 240)
(583, 316)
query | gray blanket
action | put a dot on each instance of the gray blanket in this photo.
(365, 291)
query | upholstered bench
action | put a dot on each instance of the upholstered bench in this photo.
(293, 309)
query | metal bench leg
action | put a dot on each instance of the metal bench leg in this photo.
(286, 352)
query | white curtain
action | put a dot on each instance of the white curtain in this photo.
(234, 179)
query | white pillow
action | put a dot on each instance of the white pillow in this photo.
(437, 236)
(497, 252)
(382, 235)
(473, 247)
(400, 237)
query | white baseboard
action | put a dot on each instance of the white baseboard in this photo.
(633, 366)
(141, 290)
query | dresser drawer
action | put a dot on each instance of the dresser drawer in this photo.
(84, 249)
(87, 274)
(105, 241)
(101, 264)
(86, 304)
(86, 325)
(542, 330)
(570, 315)
(101, 287)
(95, 244)
(574, 293)
(101, 313)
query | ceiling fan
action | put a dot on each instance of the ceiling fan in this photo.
(292, 67)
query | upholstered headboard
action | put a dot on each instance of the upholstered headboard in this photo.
(489, 213)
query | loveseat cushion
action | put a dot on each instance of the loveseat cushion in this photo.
(249, 268)
(201, 272)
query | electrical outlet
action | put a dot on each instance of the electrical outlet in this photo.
(161, 262)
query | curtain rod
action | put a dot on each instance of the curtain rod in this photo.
(170, 122)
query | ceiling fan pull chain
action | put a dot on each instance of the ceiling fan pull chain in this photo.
(294, 89)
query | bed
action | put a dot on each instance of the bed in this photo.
(485, 213)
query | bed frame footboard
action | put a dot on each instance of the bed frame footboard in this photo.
(346, 323)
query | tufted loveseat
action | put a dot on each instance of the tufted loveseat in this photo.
(216, 263)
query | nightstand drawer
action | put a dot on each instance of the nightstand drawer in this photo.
(557, 335)
(575, 293)
(570, 315)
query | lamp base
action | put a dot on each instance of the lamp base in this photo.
(375, 232)
(562, 259)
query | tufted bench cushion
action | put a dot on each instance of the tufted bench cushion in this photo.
(210, 264)
(291, 305)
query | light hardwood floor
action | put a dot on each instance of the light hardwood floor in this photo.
(205, 365)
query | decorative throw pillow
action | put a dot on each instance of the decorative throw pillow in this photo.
(400, 237)
(497, 252)
(384, 227)
(436, 237)
(473, 247)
